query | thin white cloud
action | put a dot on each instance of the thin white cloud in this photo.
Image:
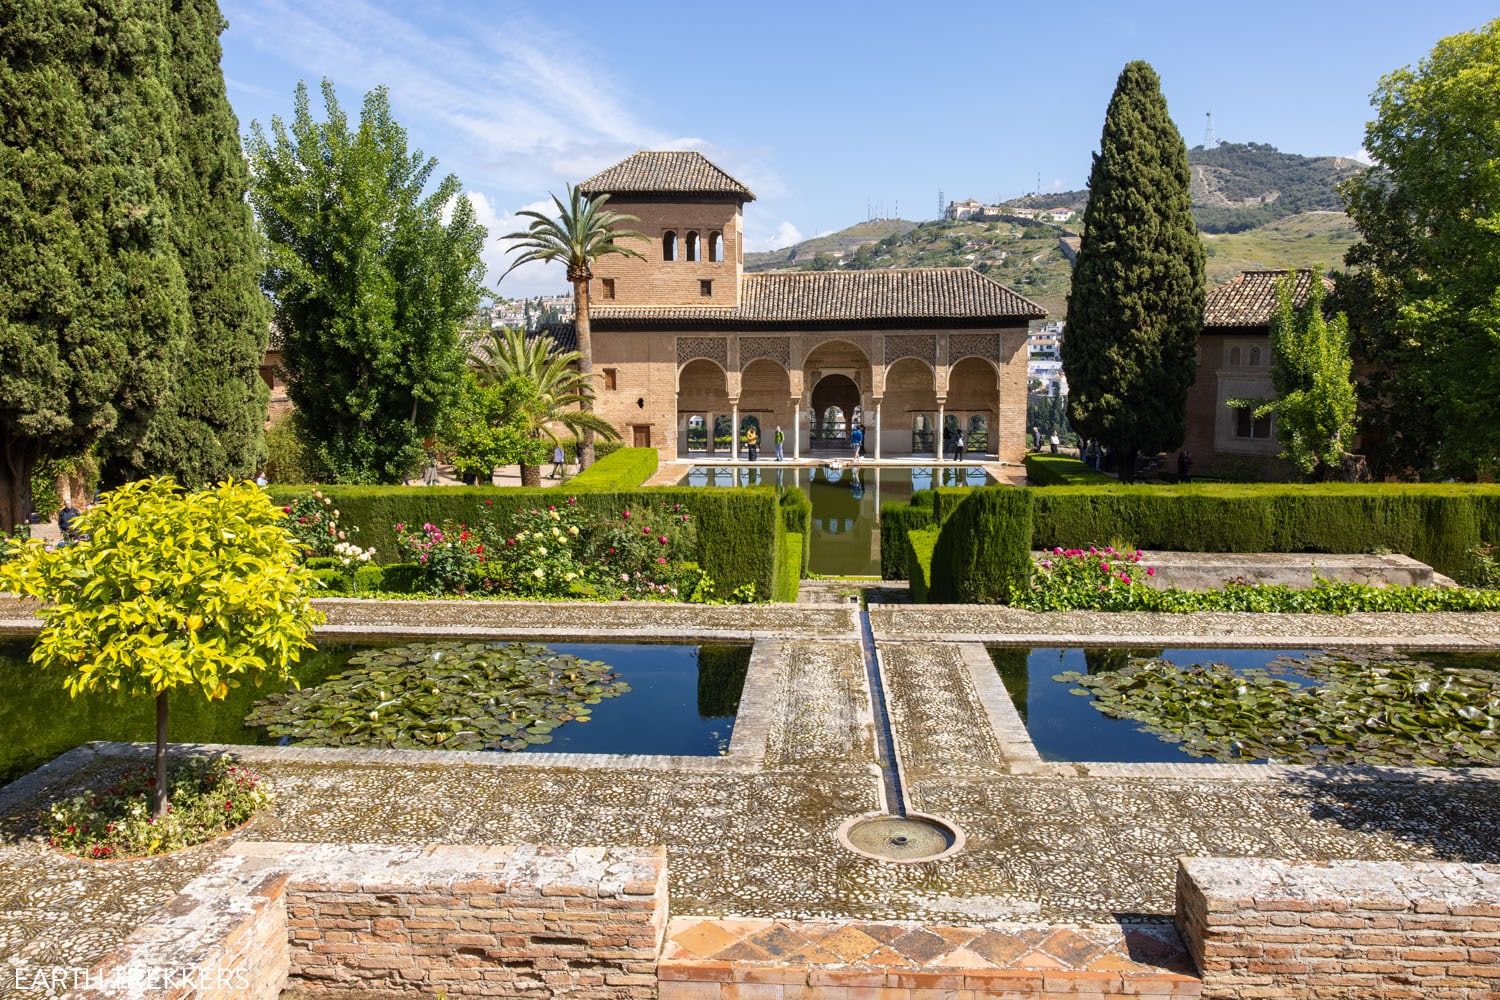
(785, 236)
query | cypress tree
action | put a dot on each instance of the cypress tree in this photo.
(209, 425)
(1136, 306)
(92, 299)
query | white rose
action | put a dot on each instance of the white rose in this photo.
(573, 530)
(538, 572)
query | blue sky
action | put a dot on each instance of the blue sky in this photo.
(821, 107)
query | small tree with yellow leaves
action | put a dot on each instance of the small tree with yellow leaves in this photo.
(169, 589)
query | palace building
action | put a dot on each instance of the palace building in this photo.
(689, 347)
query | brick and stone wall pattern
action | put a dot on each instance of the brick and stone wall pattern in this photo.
(1345, 930)
(653, 281)
(585, 924)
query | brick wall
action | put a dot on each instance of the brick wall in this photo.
(1343, 929)
(657, 282)
(362, 920)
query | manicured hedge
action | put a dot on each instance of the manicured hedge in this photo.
(624, 469)
(1435, 523)
(896, 520)
(789, 568)
(983, 551)
(1060, 470)
(945, 501)
(740, 531)
(796, 513)
(917, 548)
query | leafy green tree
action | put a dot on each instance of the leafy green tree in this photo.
(372, 276)
(542, 391)
(170, 590)
(582, 232)
(484, 429)
(93, 305)
(207, 426)
(1423, 293)
(1136, 306)
(1313, 374)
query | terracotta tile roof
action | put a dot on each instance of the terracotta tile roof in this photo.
(665, 173)
(925, 293)
(1249, 298)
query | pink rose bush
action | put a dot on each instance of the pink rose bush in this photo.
(1095, 579)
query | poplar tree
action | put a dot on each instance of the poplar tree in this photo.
(209, 424)
(93, 305)
(1136, 306)
(371, 276)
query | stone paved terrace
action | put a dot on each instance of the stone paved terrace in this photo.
(753, 835)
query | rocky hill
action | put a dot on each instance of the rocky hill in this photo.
(1255, 206)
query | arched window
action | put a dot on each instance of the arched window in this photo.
(1234, 357)
(669, 245)
(716, 247)
(692, 245)
(1255, 357)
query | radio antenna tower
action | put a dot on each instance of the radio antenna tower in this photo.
(1209, 139)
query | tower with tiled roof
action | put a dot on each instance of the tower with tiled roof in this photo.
(689, 211)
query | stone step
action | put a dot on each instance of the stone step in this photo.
(734, 959)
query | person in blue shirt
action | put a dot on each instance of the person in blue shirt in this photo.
(857, 439)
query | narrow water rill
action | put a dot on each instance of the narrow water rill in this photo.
(895, 834)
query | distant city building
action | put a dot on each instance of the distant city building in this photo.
(959, 211)
(1044, 360)
(1060, 214)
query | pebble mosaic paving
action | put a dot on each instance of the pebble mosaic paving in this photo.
(1053, 844)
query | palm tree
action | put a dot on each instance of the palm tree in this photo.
(583, 231)
(544, 389)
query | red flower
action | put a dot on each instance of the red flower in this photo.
(663, 539)
(626, 515)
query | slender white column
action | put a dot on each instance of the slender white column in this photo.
(797, 431)
(734, 432)
(877, 430)
(937, 437)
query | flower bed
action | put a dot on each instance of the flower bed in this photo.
(558, 551)
(208, 797)
(1111, 579)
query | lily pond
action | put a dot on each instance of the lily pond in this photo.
(460, 695)
(1373, 706)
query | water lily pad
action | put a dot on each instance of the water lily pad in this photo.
(453, 695)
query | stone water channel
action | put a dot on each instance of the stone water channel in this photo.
(1085, 851)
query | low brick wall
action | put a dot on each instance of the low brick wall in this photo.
(394, 921)
(1343, 929)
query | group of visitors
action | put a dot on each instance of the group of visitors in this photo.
(1036, 440)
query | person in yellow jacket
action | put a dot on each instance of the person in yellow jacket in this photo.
(752, 442)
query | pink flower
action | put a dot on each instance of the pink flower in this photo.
(1093, 551)
(661, 560)
(401, 527)
(1104, 566)
(1124, 578)
(625, 515)
(1057, 551)
(1150, 570)
(551, 507)
(663, 539)
(429, 526)
(572, 501)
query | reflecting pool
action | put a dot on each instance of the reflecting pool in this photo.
(845, 503)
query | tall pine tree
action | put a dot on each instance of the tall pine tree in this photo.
(209, 425)
(1136, 306)
(93, 305)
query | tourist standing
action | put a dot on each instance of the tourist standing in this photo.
(430, 476)
(65, 519)
(1184, 466)
(857, 439)
(752, 442)
(559, 462)
(1054, 442)
(959, 444)
(1036, 439)
(780, 443)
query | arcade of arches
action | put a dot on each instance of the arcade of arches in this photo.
(837, 386)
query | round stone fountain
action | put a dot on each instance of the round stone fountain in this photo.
(909, 838)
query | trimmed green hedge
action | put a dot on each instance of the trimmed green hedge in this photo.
(945, 501)
(740, 531)
(1061, 470)
(789, 568)
(796, 513)
(624, 469)
(896, 520)
(918, 549)
(983, 552)
(1435, 523)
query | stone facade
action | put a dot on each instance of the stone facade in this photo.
(1343, 929)
(692, 350)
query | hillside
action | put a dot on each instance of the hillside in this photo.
(1256, 207)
